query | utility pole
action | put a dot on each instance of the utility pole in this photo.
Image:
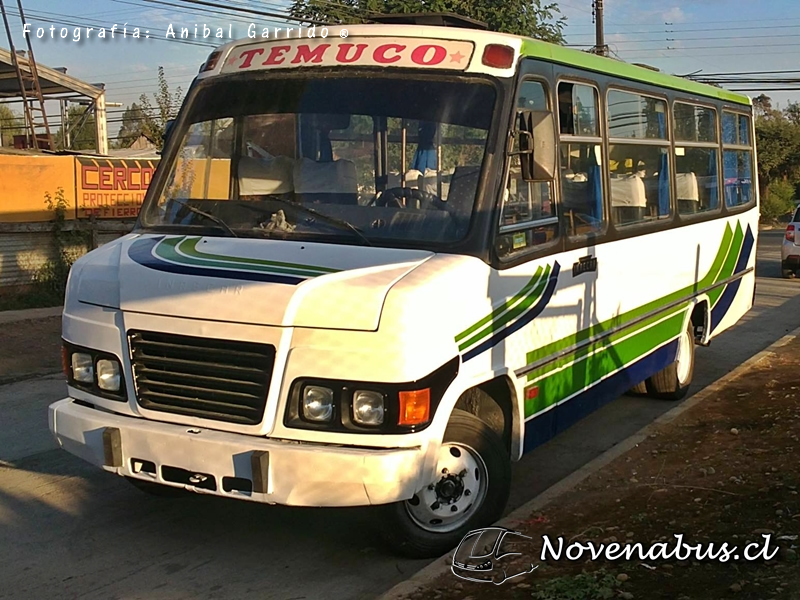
(597, 16)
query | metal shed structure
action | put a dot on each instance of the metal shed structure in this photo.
(55, 85)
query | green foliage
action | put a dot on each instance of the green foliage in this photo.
(81, 128)
(133, 126)
(778, 143)
(166, 108)
(51, 279)
(779, 200)
(531, 18)
(11, 124)
(586, 586)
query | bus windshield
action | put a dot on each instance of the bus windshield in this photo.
(377, 160)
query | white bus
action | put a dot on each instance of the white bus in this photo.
(374, 270)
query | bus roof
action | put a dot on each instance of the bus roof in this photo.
(592, 62)
(303, 50)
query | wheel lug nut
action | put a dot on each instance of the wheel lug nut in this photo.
(430, 487)
(453, 508)
(463, 473)
(445, 471)
(467, 493)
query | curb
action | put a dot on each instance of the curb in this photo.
(441, 565)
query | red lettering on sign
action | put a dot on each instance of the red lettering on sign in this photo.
(276, 53)
(419, 54)
(146, 178)
(248, 56)
(85, 170)
(105, 178)
(120, 175)
(344, 50)
(305, 54)
(132, 185)
(380, 53)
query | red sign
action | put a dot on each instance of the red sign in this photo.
(112, 188)
(384, 51)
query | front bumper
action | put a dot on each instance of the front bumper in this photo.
(277, 472)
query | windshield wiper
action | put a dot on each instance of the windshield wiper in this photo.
(203, 213)
(333, 220)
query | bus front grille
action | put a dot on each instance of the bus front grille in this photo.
(208, 378)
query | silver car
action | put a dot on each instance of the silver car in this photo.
(790, 250)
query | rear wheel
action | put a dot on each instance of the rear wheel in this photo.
(640, 389)
(672, 383)
(469, 489)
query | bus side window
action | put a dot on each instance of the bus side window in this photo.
(528, 218)
(581, 153)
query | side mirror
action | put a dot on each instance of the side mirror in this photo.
(535, 137)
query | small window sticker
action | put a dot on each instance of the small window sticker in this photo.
(519, 240)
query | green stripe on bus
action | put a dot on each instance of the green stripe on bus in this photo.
(729, 266)
(512, 314)
(631, 330)
(167, 251)
(503, 307)
(714, 274)
(599, 64)
(610, 356)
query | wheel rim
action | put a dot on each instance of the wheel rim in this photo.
(457, 490)
(684, 357)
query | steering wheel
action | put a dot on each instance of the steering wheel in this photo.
(394, 196)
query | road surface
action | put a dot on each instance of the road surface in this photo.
(69, 530)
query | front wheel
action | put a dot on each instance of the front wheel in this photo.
(672, 383)
(469, 489)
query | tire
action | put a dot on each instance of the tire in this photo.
(157, 489)
(469, 443)
(672, 382)
(640, 389)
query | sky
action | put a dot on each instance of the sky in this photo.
(675, 36)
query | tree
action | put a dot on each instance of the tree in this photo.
(778, 144)
(11, 124)
(133, 126)
(83, 132)
(166, 109)
(762, 104)
(530, 18)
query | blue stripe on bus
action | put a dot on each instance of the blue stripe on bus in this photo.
(141, 252)
(526, 318)
(552, 422)
(726, 299)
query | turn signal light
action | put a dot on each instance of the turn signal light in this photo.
(498, 56)
(415, 407)
(790, 233)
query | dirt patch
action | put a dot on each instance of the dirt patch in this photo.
(30, 348)
(726, 471)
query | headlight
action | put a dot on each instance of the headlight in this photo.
(83, 367)
(108, 375)
(94, 371)
(368, 407)
(317, 403)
